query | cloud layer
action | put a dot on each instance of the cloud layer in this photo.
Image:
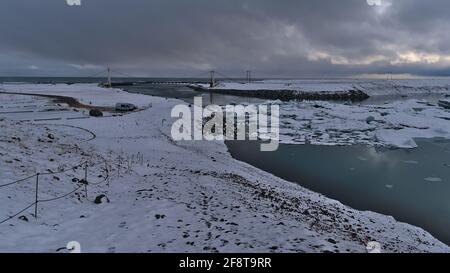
(184, 38)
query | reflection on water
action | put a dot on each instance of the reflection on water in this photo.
(411, 185)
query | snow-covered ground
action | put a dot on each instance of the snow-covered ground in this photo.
(30, 108)
(89, 94)
(369, 87)
(166, 196)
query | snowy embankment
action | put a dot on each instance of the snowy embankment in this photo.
(168, 196)
(287, 90)
(89, 94)
(331, 89)
(405, 87)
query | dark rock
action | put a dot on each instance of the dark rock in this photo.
(332, 241)
(160, 216)
(23, 218)
(95, 113)
(288, 95)
(370, 119)
(82, 181)
(101, 199)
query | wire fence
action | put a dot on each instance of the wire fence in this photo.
(84, 185)
(17, 214)
(17, 181)
(123, 163)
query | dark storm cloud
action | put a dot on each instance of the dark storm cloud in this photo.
(185, 37)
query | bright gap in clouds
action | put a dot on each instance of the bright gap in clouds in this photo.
(374, 2)
(380, 5)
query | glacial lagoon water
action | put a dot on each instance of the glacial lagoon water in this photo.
(411, 185)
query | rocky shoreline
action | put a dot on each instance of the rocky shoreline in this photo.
(289, 95)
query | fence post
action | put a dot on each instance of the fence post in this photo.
(85, 179)
(36, 197)
(119, 165)
(107, 173)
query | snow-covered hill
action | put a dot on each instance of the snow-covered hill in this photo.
(89, 94)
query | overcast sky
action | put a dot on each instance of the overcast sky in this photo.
(189, 37)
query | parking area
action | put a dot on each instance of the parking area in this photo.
(37, 108)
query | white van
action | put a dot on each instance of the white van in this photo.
(125, 107)
(444, 104)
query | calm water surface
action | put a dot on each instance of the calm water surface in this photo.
(411, 185)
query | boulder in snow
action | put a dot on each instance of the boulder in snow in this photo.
(101, 199)
(370, 119)
(95, 113)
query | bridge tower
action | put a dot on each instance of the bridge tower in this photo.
(249, 76)
(212, 81)
(109, 77)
